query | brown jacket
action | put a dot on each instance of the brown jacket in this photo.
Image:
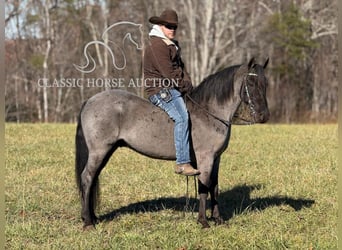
(163, 67)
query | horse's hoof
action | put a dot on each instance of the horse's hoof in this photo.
(219, 221)
(204, 224)
(88, 227)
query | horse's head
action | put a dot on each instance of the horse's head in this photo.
(253, 92)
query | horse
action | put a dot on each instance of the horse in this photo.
(117, 118)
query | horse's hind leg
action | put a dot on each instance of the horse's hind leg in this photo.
(89, 181)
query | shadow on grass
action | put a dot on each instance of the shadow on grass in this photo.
(238, 201)
(232, 202)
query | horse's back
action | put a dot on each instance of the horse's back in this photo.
(111, 107)
(114, 97)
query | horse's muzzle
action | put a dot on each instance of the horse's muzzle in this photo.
(262, 117)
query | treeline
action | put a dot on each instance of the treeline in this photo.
(59, 53)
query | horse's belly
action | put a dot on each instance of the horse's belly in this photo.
(152, 142)
(149, 131)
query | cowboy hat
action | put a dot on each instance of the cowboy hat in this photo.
(168, 16)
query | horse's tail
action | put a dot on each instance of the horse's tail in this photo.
(81, 151)
(82, 155)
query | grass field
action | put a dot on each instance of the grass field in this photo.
(278, 190)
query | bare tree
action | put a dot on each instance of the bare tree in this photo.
(45, 38)
(208, 34)
(323, 15)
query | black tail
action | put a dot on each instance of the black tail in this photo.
(81, 151)
(82, 155)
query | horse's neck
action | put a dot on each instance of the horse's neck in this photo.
(224, 111)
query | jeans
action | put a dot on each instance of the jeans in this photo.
(178, 112)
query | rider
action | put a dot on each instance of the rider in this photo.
(166, 81)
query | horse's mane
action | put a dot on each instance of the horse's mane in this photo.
(218, 85)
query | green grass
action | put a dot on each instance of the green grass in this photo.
(278, 190)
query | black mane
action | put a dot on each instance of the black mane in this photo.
(218, 85)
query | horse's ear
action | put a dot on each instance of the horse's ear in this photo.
(251, 63)
(265, 64)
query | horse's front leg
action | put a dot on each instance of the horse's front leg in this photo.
(205, 165)
(214, 192)
(215, 212)
(203, 195)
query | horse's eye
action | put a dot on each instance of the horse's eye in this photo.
(252, 82)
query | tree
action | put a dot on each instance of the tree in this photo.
(210, 32)
(323, 16)
(291, 37)
(45, 38)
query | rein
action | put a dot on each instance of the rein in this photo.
(226, 122)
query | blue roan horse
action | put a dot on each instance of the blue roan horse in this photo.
(115, 118)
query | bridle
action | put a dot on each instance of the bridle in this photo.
(250, 103)
(227, 122)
